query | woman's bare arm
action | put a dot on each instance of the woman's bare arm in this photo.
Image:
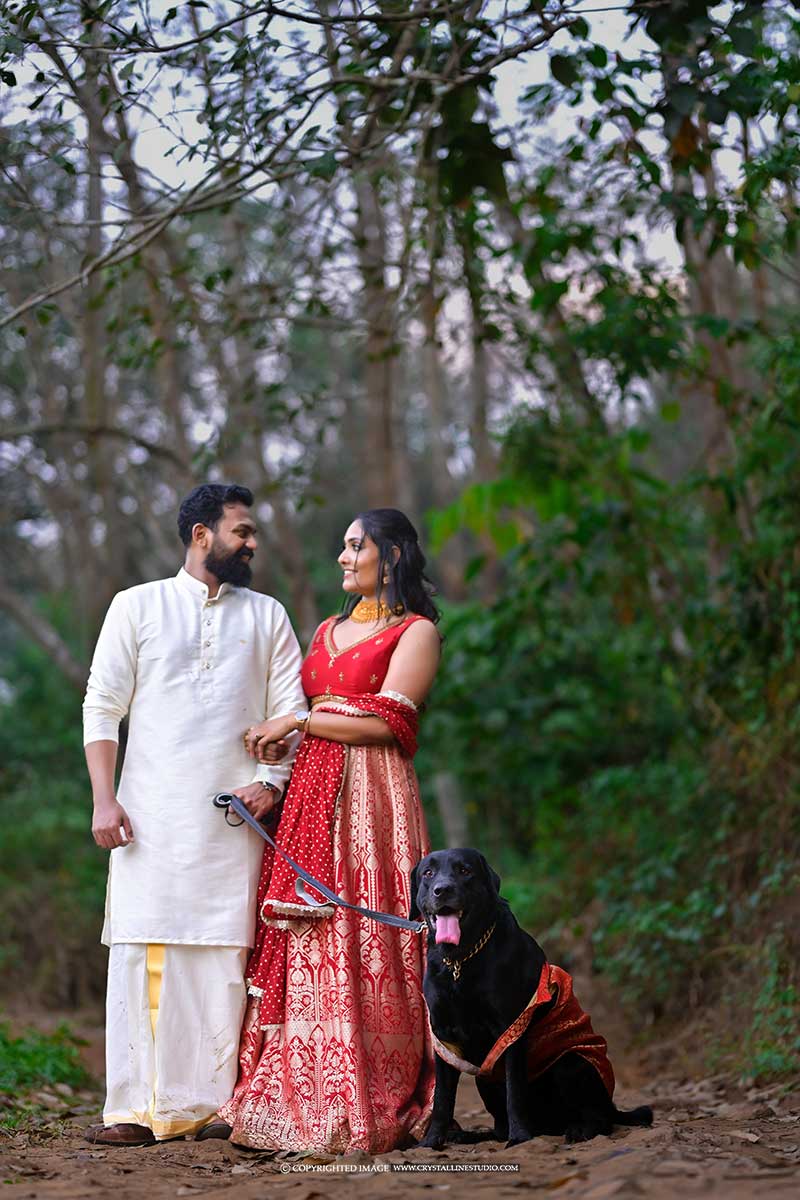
(411, 673)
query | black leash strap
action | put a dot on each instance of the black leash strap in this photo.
(232, 803)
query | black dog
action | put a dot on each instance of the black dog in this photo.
(483, 974)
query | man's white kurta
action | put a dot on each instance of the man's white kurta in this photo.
(192, 673)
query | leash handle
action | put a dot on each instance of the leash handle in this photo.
(230, 802)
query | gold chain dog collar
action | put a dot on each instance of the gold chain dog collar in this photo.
(455, 964)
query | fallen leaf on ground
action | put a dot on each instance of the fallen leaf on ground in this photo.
(745, 1135)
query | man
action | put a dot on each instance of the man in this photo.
(195, 660)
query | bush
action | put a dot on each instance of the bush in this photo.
(37, 1059)
(52, 876)
(623, 715)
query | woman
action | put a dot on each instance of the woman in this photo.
(335, 1051)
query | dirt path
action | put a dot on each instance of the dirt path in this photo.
(709, 1139)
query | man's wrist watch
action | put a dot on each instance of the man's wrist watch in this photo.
(272, 787)
(301, 717)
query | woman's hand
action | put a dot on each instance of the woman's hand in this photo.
(258, 737)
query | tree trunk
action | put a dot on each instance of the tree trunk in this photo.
(452, 813)
(380, 356)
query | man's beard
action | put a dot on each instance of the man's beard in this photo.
(233, 568)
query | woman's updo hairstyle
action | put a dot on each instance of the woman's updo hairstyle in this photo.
(406, 585)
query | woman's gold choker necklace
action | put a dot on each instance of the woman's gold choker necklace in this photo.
(370, 611)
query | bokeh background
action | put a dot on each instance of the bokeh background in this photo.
(529, 272)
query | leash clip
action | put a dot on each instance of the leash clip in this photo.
(223, 800)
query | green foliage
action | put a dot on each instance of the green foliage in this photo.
(624, 720)
(772, 1044)
(35, 1059)
(32, 1061)
(52, 876)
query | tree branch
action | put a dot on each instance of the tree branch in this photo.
(17, 432)
(270, 10)
(23, 613)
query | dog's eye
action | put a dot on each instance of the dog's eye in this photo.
(426, 874)
(462, 870)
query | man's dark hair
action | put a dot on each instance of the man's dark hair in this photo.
(205, 506)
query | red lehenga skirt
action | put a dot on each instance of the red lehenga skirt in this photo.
(335, 1053)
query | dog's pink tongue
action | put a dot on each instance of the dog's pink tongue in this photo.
(448, 929)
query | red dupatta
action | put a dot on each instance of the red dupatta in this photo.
(305, 831)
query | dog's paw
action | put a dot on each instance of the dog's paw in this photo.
(576, 1133)
(518, 1136)
(434, 1141)
(585, 1133)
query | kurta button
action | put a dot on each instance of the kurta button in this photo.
(206, 666)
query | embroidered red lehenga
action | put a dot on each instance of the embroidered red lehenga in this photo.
(335, 1052)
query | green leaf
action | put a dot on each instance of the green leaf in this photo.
(474, 567)
(65, 164)
(743, 39)
(45, 313)
(639, 440)
(323, 167)
(564, 69)
(716, 109)
(458, 109)
(603, 89)
(683, 98)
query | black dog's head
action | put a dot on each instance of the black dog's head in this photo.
(456, 891)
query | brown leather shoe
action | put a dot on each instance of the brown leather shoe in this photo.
(123, 1134)
(214, 1129)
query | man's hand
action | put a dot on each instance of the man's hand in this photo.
(109, 815)
(258, 800)
(274, 752)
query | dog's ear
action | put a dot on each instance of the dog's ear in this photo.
(413, 910)
(492, 878)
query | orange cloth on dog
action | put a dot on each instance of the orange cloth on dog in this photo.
(566, 1027)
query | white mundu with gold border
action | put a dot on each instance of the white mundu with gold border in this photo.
(192, 673)
(172, 1034)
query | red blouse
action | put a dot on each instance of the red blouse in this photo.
(362, 667)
